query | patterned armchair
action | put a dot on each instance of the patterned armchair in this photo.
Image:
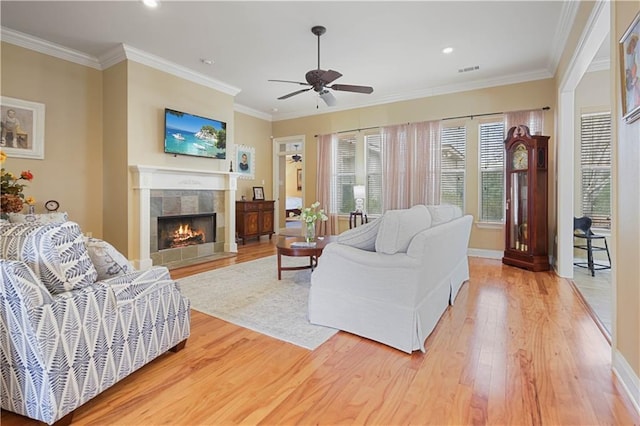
(67, 335)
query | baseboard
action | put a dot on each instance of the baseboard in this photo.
(628, 378)
(489, 254)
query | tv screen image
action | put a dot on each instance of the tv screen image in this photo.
(189, 134)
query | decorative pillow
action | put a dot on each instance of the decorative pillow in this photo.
(108, 261)
(40, 219)
(443, 213)
(398, 227)
(55, 252)
(362, 237)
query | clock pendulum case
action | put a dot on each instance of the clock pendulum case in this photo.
(526, 224)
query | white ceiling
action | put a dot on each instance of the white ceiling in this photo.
(393, 46)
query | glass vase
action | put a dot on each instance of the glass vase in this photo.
(310, 231)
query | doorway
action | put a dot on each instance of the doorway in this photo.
(288, 186)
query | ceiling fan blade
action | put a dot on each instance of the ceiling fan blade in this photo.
(352, 88)
(329, 76)
(291, 81)
(297, 92)
(327, 97)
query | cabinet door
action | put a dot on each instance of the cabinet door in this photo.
(251, 226)
(267, 221)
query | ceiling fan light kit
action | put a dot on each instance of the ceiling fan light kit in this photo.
(319, 79)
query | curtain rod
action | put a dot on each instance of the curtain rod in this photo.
(546, 108)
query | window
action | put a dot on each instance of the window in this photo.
(452, 172)
(492, 172)
(345, 173)
(373, 161)
(595, 165)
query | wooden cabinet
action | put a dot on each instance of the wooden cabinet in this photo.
(526, 225)
(254, 219)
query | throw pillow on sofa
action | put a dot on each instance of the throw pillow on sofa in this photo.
(443, 213)
(361, 237)
(108, 261)
(55, 252)
(398, 227)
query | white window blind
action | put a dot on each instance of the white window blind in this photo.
(492, 172)
(453, 141)
(345, 173)
(595, 164)
(373, 160)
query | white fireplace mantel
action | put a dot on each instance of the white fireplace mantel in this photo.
(147, 178)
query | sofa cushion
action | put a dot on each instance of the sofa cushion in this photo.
(108, 261)
(398, 227)
(362, 237)
(40, 219)
(443, 213)
(55, 252)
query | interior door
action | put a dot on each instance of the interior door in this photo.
(288, 184)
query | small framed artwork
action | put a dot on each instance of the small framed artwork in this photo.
(299, 179)
(22, 125)
(630, 68)
(245, 159)
(258, 193)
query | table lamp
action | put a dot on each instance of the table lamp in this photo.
(359, 193)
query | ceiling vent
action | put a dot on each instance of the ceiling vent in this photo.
(468, 69)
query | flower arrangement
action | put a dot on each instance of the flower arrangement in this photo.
(309, 216)
(12, 199)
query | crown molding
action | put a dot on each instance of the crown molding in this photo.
(252, 112)
(42, 46)
(565, 23)
(433, 91)
(599, 65)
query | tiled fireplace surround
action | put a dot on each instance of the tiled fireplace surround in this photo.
(164, 191)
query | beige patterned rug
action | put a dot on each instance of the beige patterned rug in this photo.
(250, 295)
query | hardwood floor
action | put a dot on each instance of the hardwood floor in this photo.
(516, 348)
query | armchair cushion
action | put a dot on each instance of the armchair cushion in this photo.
(398, 227)
(443, 213)
(55, 252)
(108, 261)
(362, 237)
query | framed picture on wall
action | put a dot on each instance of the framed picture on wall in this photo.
(245, 159)
(630, 68)
(22, 128)
(299, 179)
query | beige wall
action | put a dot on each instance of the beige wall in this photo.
(255, 132)
(626, 221)
(72, 170)
(531, 95)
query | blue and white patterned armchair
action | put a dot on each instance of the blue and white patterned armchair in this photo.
(66, 335)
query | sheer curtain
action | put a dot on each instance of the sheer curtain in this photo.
(411, 165)
(325, 193)
(534, 119)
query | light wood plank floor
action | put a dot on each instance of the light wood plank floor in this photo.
(516, 348)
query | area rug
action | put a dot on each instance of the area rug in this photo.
(250, 295)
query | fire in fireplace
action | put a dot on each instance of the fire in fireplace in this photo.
(186, 230)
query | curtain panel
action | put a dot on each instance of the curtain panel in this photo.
(325, 182)
(533, 119)
(411, 165)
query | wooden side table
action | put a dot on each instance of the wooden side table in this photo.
(286, 247)
(353, 218)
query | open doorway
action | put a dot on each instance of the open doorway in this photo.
(288, 166)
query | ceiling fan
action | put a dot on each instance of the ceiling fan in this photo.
(296, 158)
(320, 79)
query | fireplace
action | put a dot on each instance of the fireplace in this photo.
(185, 230)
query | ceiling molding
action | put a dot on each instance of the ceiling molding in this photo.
(42, 46)
(112, 56)
(433, 91)
(599, 65)
(565, 24)
(252, 112)
(178, 70)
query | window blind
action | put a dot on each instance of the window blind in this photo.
(345, 173)
(453, 141)
(373, 160)
(595, 164)
(492, 172)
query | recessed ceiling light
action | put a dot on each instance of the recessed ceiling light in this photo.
(151, 3)
(274, 109)
(206, 61)
(447, 50)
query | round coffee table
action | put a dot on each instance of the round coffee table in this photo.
(295, 247)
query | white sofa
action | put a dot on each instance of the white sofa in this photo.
(392, 280)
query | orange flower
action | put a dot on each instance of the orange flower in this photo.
(26, 175)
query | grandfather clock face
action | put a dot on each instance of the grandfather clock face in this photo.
(520, 157)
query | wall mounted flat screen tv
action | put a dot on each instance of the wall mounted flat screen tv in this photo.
(188, 134)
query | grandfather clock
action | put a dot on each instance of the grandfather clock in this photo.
(526, 236)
